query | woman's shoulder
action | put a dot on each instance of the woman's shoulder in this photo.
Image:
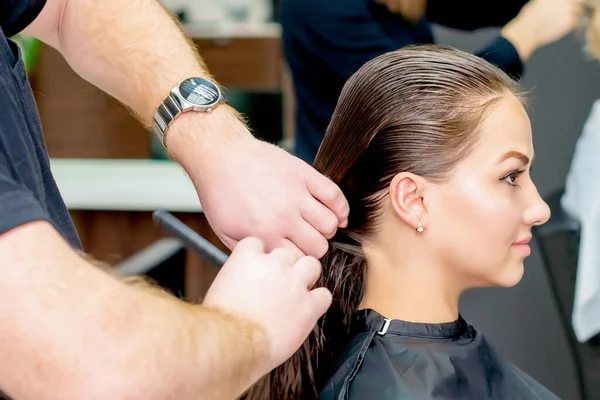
(390, 366)
(527, 384)
(394, 366)
(348, 366)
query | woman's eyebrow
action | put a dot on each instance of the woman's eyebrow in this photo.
(516, 154)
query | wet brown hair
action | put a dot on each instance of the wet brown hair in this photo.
(417, 109)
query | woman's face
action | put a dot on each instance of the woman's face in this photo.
(479, 222)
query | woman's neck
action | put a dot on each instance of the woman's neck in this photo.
(409, 289)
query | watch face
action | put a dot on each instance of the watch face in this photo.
(199, 91)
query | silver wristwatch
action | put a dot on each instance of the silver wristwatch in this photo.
(191, 94)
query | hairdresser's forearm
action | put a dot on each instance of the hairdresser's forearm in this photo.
(69, 330)
(132, 49)
(521, 39)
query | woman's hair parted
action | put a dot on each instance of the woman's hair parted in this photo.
(418, 109)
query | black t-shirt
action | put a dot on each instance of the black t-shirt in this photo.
(28, 191)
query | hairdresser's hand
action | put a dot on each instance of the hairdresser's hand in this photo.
(411, 10)
(251, 188)
(540, 23)
(273, 290)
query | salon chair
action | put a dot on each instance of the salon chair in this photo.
(558, 242)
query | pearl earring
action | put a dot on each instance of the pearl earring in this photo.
(420, 227)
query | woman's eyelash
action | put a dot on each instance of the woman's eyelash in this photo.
(512, 177)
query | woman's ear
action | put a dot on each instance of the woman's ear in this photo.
(406, 195)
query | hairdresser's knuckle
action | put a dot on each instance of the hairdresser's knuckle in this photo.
(338, 197)
(332, 195)
(261, 227)
(306, 206)
(329, 226)
(251, 243)
(345, 207)
(307, 260)
(281, 219)
(265, 231)
(314, 264)
(259, 231)
(321, 247)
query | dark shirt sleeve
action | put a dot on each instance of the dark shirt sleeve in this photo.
(503, 54)
(18, 204)
(473, 14)
(16, 15)
(18, 207)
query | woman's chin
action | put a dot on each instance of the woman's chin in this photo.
(513, 275)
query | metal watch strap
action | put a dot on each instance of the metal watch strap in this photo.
(165, 113)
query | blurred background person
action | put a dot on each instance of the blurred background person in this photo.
(326, 42)
(581, 199)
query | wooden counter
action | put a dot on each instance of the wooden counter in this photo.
(81, 121)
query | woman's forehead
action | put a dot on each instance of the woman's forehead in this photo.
(505, 130)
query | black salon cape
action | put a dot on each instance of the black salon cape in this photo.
(416, 361)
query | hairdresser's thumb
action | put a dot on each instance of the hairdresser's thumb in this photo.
(321, 301)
